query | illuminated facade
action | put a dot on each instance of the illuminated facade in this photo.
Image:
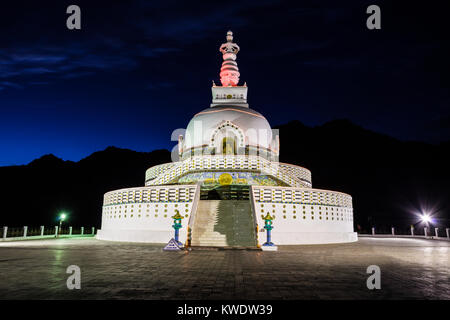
(226, 179)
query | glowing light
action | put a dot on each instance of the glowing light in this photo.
(426, 218)
(62, 216)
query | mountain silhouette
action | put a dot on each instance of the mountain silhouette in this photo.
(391, 181)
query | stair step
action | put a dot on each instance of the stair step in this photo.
(210, 243)
(224, 223)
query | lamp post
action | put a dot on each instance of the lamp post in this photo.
(427, 220)
(62, 217)
(268, 226)
(177, 225)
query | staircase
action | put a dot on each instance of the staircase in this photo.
(224, 223)
(230, 192)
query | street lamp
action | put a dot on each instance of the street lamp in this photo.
(426, 218)
(62, 217)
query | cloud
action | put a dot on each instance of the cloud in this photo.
(74, 75)
(37, 64)
(37, 58)
(159, 29)
(11, 85)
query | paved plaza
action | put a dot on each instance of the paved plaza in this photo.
(410, 269)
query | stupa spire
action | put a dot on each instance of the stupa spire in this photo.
(229, 93)
(229, 73)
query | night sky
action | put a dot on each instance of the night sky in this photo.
(140, 69)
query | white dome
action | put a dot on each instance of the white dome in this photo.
(248, 126)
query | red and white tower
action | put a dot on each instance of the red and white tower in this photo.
(229, 73)
(230, 93)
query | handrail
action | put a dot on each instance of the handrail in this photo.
(193, 214)
(255, 223)
(252, 162)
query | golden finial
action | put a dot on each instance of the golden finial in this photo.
(177, 215)
(268, 217)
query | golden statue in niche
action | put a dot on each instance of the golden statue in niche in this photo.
(229, 146)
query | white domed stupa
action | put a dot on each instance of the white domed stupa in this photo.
(244, 127)
(228, 188)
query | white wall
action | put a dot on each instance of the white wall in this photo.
(146, 218)
(302, 215)
(325, 217)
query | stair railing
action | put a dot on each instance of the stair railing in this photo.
(192, 216)
(255, 222)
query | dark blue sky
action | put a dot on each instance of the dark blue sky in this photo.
(140, 69)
